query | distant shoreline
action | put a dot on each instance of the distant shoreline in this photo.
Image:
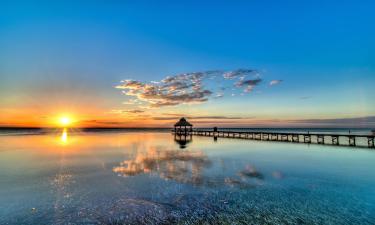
(168, 128)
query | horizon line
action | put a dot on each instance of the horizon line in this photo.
(255, 127)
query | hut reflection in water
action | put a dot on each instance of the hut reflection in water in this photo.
(183, 139)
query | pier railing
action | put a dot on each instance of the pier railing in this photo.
(317, 138)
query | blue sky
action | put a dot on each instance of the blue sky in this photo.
(68, 56)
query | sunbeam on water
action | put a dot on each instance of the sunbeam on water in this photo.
(64, 136)
(147, 178)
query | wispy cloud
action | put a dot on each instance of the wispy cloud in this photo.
(239, 73)
(248, 84)
(102, 122)
(120, 111)
(275, 82)
(188, 88)
(134, 111)
(177, 116)
(132, 102)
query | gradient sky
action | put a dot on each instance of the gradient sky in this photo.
(314, 62)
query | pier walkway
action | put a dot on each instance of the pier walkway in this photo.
(316, 138)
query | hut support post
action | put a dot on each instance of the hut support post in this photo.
(370, 142)
(335, 140)
(351, 141)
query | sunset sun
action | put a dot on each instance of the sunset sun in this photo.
(65, 121)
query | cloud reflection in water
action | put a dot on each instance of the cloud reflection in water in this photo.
(185, 166)
(181, 166)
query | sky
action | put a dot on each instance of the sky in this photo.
(218, 63)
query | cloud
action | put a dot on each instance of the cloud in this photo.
(275, 82)
(248, 84)
(174, 114)
(189, 88)
(184, 88)
(103, 122)
(219, 95)
(177, 116)
(134, 111)
(239, 73)
(132, 102)
(120, 111)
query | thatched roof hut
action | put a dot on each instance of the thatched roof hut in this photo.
(183, 126)
(183, 123)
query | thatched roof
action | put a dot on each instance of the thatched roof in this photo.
(183, 122)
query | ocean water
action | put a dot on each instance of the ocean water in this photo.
(153, 177)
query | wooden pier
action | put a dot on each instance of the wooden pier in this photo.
(309, 138)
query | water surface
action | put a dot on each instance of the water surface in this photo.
(151, 178)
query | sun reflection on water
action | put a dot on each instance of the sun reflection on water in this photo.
(64, 137)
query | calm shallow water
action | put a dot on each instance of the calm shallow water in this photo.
(147, 177)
